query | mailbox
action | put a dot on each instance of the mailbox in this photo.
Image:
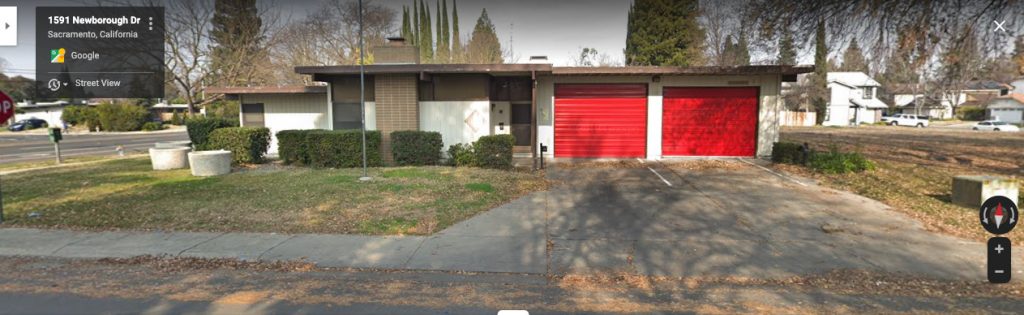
(55, 135)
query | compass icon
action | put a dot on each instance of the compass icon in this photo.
(998, 215)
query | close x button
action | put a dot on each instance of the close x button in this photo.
(999, 260)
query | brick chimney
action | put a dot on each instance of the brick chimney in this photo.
(396, 51)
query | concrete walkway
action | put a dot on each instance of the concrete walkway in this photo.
(658, 221)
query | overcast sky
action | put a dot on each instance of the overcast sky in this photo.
(553, 28)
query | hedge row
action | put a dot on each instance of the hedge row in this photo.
(247, 144)
(416, 147)
(488, 151)
(328, 148)
(199, 130)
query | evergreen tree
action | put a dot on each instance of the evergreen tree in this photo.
(444, 42)
(742, 52)
(728, 51)
(415, 27)
(426, 37)
(787, 52)
(484, 46)
(853, 58)
(664, 32)
(458, 56)
(441, 55)
(819, 83)
(237, 41)
(406, 27)
(1018, 54)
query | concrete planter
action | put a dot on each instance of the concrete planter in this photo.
(210, 163)
(173, 144)
(972, 191)
(169, 158)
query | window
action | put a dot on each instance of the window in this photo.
(252, 115)
(869, 92)
(346, 116)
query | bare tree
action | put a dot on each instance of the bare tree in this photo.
(590, 57)
(719, 21)
(188, 46)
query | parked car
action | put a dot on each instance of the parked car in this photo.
(906, 120)
(995, 125)
(27, 124)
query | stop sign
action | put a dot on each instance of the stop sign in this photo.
(6, 107)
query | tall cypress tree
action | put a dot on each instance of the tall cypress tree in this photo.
(853, 58)
(444, 41)
(406, 30)
(415, 24)
(819, 82)
(426, 37)
(236, 37)
(441, 53)
(458, 55)
(664, 32)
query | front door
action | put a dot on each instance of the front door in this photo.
(521, 123)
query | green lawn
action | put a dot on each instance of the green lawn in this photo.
(51, 162)
(126, 194)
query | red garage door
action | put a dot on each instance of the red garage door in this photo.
(716, 121)
(600, 120)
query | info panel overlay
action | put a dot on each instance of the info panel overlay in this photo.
(99, 52)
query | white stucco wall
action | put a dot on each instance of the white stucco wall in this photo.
(50, 114)
(768, 116)
(291, 111)
(458, 122)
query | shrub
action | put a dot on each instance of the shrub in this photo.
(971, 113)
(247, 144)
(176, 119)
(342, 148)
(152, 126)
(494, 151)
(121, 117)
(291, 146)
(74, 115)
(460, 154)
(788, 152)
(199, 129)
(413, 147)
(836, 162)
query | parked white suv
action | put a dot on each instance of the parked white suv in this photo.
(995, 125)
(906, 120)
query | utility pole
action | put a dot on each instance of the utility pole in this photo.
(1, 205)
(362, 89)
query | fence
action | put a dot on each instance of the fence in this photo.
(800, 119)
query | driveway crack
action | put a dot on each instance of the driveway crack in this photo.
(201, 243)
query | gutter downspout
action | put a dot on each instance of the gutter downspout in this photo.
(533, 117)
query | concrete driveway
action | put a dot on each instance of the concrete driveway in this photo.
(664, 219)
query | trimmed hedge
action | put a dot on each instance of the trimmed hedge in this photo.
(342, 148)
(199, 130)
(152, 126)
(247, 144)
(494, 151)
(291, 146)
(413, 147)
(789, 153)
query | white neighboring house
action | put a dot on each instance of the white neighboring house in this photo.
(854, 99)
(1008, 108)
(48, 111)
(917, 104)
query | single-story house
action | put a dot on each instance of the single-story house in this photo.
(49, 111)
(853, 99)
(919, 104)
(164, 111)
(1008, 108)
(575, 112)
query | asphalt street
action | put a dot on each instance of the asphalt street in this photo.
(37, 147)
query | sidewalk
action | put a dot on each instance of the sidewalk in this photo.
(459, 248)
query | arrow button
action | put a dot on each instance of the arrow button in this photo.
(9, 19)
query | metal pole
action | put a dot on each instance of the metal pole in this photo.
(56, 147)
(1, 205)
(362, 89)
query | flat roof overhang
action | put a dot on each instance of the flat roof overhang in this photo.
(496, 69)
(652, 70)
(289, 89)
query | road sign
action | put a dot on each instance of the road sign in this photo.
(6, 107)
